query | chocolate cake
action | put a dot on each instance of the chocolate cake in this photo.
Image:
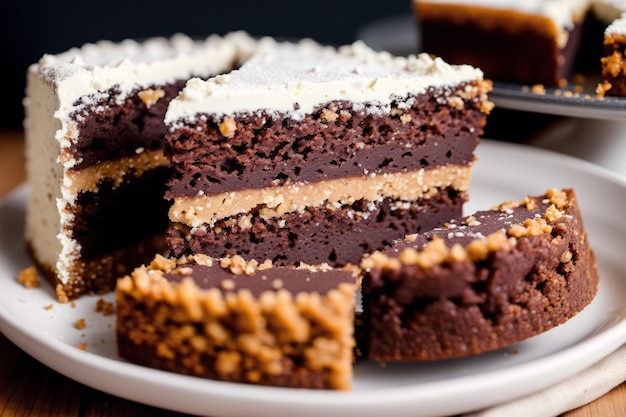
(529, 42)
(319, 155)
(522, 41)
(94, 146)
(240, 321)
(479, 283)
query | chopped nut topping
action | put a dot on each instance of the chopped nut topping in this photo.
(238, 265)
(150, 96)
(228, 127)
(329, 115)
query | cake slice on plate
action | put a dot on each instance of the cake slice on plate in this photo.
(240, 321)
(479, 283)
(94, 149)
(318, 155)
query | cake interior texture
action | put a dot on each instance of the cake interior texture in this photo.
(321, 178)
(94, 131)
(480, 283)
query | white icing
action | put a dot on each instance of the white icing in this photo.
(295, 78)
(618, 27)
(562, 12)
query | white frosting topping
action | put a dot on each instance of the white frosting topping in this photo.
(295, 78)
(562, 12)
(618, 27)
(128, 65)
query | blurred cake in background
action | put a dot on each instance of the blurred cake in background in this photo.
(520, 41)
(530, 42)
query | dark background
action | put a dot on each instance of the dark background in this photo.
(31, 28)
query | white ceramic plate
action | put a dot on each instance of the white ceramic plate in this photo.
(503, 172)
(400, 35)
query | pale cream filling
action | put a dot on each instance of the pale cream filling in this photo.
(88, 179)
(275, 201)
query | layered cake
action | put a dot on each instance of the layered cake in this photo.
(530, 42)
(94, 145)
(522, 41)
(240, 321)
(479, 283)
(319, 155)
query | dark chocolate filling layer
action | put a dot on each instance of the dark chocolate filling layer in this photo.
(116, 217)
(116, 130)
(291, 279)
(272, 150)
(318, 235)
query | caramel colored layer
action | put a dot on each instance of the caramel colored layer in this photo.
(276, 201)
(87, 179)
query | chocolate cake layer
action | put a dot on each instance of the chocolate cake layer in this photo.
(109, 129)
(282, 336)
(507, 46)
(98, 274)
(117, 216)
(489, 289)
(318, 234)
(334, 142)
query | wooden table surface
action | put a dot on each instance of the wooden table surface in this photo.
(29, 388)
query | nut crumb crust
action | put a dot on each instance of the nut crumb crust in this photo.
(278, 338)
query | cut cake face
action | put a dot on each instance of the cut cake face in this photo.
(315, 154)
(94, 148)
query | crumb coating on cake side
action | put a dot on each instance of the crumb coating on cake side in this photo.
(169, 319)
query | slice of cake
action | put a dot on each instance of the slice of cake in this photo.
(238, 321)
(614, 62)
(480, 283)
(522, 41)
(94, 146)
(319, 155)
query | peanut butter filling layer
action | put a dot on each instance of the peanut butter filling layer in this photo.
(276, 201)
(88, 179)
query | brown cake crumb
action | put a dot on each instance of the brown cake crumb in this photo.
(28, 277)
(82, 346)
(105, 307)
(48, 307)
(80, 324)
(538, 89)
